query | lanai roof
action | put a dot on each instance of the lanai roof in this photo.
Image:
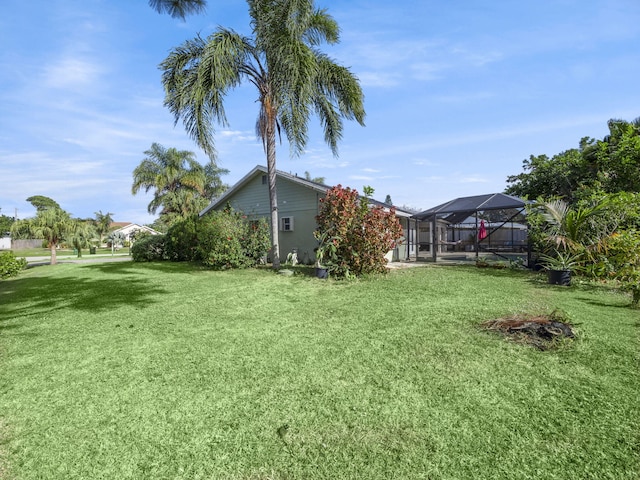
(460, 208)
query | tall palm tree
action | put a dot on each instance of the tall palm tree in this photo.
(292, 77)
(181, 183)
(178, 8)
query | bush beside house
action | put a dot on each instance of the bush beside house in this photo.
(360, 234)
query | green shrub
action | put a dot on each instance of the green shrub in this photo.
(10, 265)
(228, 239)
(149, 249)
(621, 261)
(257, 241)
(181, 240)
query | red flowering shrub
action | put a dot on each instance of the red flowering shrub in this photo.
(360, 234)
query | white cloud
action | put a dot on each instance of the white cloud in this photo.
(378, 79)
(361, 178)
(474, 179)
(237, 135)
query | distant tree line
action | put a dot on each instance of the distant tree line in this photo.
(586, 209)
(596, 167)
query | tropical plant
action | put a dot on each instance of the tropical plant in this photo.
(307, 176)
(569, 228)
(292, 77)
(102, 223)
(327, 249)
(116, 239)
(556, 226)
(181, 185)
(81, 234)
(559, 260)
(51, 224)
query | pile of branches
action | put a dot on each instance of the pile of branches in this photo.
(540, 331)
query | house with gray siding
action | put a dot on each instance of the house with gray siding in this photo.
(298, 206)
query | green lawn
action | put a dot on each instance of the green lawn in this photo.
(163, 371)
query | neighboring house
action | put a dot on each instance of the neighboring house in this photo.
(298, 206)
(129, 229)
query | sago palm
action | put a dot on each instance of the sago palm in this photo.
(292, 77)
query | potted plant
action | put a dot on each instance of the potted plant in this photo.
(325, 253)
(559, 266)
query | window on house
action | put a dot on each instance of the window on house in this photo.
(264, 179)
(286, 224)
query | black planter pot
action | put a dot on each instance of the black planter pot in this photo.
(322, 272)
(560, 277)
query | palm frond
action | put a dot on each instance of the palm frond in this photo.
(178, 8)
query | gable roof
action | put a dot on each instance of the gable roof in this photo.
(262, 170)
(118, 224)
(460, 208)
(134, 226)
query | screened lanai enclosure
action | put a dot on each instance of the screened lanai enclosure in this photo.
(492, 226)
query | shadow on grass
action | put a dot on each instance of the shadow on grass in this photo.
(138, 268)
(97, 287)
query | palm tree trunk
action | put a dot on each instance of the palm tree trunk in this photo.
(273, 195)
(54, 258)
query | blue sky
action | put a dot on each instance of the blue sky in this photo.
(457, 95)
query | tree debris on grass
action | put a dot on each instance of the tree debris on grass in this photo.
(543, 332)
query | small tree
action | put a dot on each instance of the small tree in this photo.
(102, 223)
(360, 234)
(81, 233)
(5, 223)
(40, 202)
(116, 239)
(52, 224)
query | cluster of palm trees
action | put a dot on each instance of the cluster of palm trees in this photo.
(182, 186)
(293, 80)
(56, 226)
(282, 60)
